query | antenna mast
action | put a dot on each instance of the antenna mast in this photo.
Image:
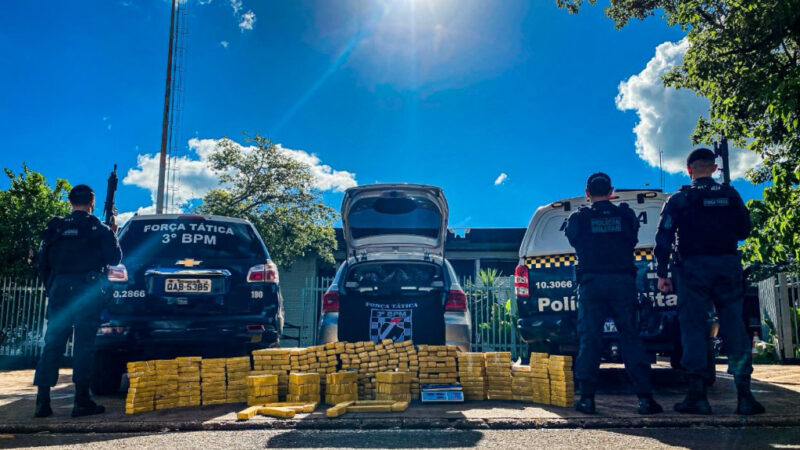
(162, 165)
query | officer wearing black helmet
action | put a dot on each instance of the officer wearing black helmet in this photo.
(709, 220)
(604, 236)
(74, 254)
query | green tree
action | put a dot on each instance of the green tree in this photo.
(25, 208)
(276, 193)
(744, 56)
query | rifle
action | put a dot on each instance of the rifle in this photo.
(110, 210)
(721, 150)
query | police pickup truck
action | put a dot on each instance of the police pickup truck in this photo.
(187, 285)
(545, 286)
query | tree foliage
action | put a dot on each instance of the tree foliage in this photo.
(25, 208)
(744, 56)
(276, 193)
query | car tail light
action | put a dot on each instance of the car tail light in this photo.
(521, 286)
(117, 274)
(263, 273)
(456, 301)
(255, 328)
(330, 301)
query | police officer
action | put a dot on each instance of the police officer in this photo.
(709, 219)
(604, 236)
(74, 254)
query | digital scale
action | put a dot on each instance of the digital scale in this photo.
(441, 393)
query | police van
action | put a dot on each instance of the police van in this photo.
(187, 285)
(545, 285)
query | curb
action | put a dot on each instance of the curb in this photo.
(396, 423)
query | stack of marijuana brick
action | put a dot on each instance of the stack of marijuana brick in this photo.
(437, 364)
(274, 361)
(212, 376)
(237, 370)
(304, 388)
(394, 386)
(540, 373)
(562, 386)
(189, 381)
(521, 383)
(166, 384)
(142, 388)
(341, 387)
(363, 356)
(498, 374)
(472, 375)
(262, 389)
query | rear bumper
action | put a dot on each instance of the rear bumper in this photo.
(661, 337)
(179, 337)
(457, 329)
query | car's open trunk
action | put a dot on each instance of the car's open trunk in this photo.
(398, 300)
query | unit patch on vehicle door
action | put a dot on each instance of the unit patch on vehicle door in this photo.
(394, 324)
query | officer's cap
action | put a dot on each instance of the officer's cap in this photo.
(81, 194)
(598, 183)
(700, 154)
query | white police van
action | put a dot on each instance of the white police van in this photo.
(545, 285)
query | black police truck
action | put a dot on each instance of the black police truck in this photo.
(187, 285)
(545, 285)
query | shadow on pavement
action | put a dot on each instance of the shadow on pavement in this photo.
(375, 439)
(721, 438)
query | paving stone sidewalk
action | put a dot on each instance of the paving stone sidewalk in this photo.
(778, 387)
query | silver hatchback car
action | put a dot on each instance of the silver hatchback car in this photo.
(395, 283)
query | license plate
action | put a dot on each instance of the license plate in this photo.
(187, 285)
(609, 327)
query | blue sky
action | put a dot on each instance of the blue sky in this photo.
(446, 92)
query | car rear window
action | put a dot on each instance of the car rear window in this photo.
(196, 238)
(407, 215)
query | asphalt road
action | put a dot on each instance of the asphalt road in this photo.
(551, 439)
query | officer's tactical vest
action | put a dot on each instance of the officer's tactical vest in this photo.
(74, 244)
(610, 237)
(707, 221)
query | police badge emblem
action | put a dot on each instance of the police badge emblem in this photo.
(394, 324)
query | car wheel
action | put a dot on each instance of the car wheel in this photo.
(675, 357)
(107, 376)
(712, 366)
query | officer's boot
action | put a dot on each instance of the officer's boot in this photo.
(695, 401)
(585, 404)
(84, 406)
(747, 405)
(43, 408)
(648, 405)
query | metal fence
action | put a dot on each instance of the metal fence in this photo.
(779, 299)
(22, 318)
(313, 290)
(492, 309)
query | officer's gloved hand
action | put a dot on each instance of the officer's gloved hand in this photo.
(665, 285)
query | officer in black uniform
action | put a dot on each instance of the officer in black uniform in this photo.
(74, 254)
(709, 219)
(604, 236)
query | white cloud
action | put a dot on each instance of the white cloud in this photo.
(224, 43)
(237, 6)
(667, 116)
(194, 176)
(248, 20)
(500, 179)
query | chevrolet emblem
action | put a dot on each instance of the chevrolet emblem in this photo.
(188, 262)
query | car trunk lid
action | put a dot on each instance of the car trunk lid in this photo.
(394, 217)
